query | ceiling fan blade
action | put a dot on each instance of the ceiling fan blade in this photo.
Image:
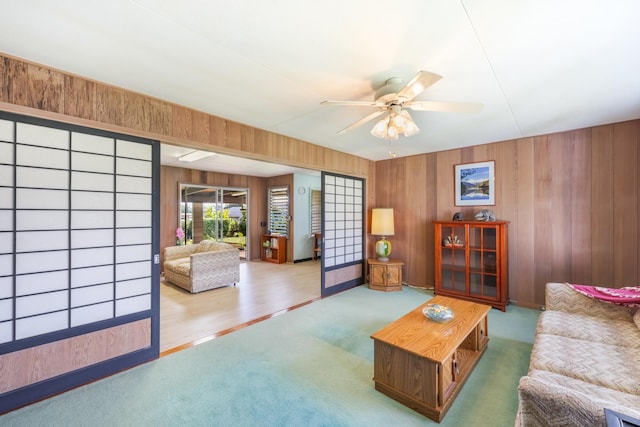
(455, 107)
(362, 121)
(354, 103)
(418, 83)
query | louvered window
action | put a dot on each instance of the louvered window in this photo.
(316, 211)
(279, 210)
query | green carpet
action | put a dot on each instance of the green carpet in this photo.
(309, 367)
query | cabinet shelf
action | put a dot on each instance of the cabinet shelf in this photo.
(274, 248)
(476, 270)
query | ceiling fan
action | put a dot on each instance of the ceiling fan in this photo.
(392, 99)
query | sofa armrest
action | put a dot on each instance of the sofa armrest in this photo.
(174, 252)
(215, 268)
(560, 297)
(542, 403)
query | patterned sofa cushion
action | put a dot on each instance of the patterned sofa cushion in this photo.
(625, 400)
(614, 367)
(590, 328)
(636, 318)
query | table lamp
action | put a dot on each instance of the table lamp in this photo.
(382, 225)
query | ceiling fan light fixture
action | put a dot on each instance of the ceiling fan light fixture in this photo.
(394, 124)
(380, 129)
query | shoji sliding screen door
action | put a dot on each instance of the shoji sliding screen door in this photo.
(342, 232)
(79, 245)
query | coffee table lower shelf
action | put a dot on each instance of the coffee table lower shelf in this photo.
(423, 364)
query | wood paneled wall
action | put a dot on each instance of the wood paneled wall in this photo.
(572, 198)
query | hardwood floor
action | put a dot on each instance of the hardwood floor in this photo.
(265, 289)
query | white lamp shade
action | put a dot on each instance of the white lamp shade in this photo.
(382, 222)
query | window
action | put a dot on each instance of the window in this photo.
(279, 210)
(316, 211)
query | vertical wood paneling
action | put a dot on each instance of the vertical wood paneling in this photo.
(542, 211)
(561, 173)
(522, 287)
(625, 203)
(580, 218)
(506, 208)
(218, 133)
(182, 119)
(16, 82)
(445, 199)
(5, 66)
(79, 97)
(109, 105)
(233, 135)
(602, 220)
(46, 89)
(200, 127)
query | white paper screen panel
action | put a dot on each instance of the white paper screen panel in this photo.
(343, 220)
(37, 283)
(6, 178)
(91, 200)
(79, 208)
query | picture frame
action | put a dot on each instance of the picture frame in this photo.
(475, 184)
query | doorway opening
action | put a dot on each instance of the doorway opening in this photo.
(214, 213)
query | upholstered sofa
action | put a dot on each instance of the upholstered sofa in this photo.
(206, 265)
(585, 357)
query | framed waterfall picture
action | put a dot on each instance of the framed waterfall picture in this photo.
(475, 184)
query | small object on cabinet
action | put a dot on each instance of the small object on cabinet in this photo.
(452, 241)
(486, 215)
(458, 216)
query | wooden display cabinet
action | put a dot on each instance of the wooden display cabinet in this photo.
(385, 275)
(274, 248)
(471, 261)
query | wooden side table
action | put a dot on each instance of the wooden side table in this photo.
(385, 275)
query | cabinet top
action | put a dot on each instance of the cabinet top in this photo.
(472, 222)
(390, 262)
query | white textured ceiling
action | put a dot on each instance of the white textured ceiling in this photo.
(538, 66)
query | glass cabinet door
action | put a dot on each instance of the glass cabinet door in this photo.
(453, 255)
(483, 271)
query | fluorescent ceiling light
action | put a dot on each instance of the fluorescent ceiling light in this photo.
(195, 155)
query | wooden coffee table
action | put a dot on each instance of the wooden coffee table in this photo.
(423, 364)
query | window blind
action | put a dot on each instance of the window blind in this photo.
(279, 210)
(316, 211)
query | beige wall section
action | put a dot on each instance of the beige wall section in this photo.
(572, 199)
(35, 364)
